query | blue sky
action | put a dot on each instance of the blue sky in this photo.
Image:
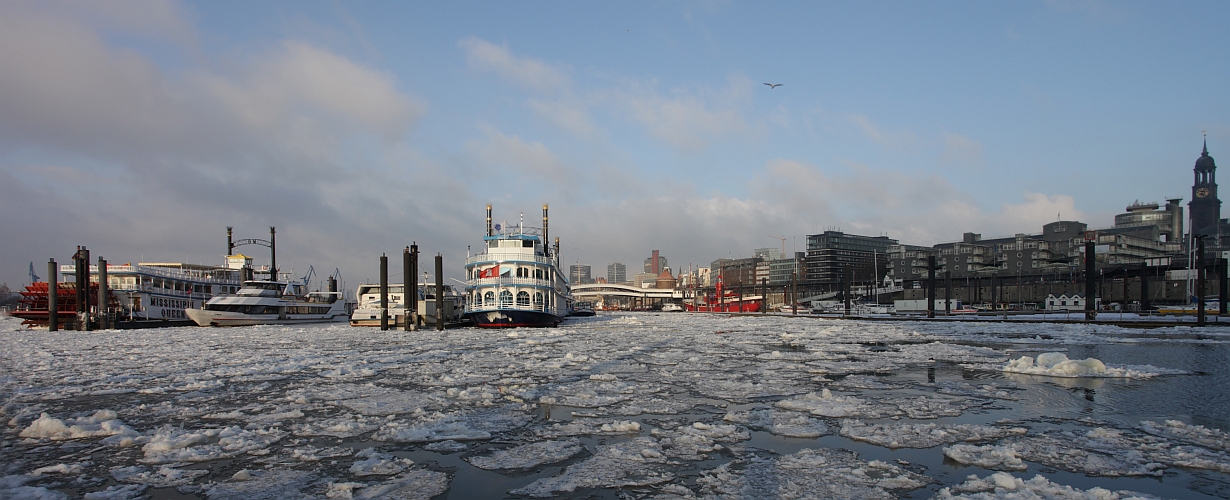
(143, 129)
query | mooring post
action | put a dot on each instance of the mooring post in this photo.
(273, 254)
(947, 293)
(53, 296)
(103, 322)
(794, 292)
(411, 291)
(1090, 281)
(414, 283)
(83, 291)
(764, 295)
(1221, 286)
(845, 288)
(1144, 287)
(1199, 281)
(384, 292)
(994, 298)
(439, 292)
(930, 286)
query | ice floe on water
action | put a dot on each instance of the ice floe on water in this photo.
(898, 435)
(1004, 486)
(807, 474)
(1057, 364)
(528, 456)
(637, 462)
(633, 405)
(781, 423)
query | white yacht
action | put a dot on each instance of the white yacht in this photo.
(368, 312)
(263, 302)
(671, 307)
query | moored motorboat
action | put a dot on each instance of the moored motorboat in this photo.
(582, 308)
(672, 307)
(264, 302)
(516, 281)
(368, 311)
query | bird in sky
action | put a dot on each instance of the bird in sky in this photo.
(773, 85)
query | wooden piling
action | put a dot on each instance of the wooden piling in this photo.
(414, 284)
(794, 293)
(384, 292)
(1221, 286)
(412, 290)
(53, 296)
(1091, 312)
(1200, 319)
(103, 322)
(273, 254)
(930, 286)
(947, 293)
(1144, 287)
(439, 292)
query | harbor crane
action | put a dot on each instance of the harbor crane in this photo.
(783, 255)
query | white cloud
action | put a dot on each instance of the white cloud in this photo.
(500, 151)
(528, 72)
(688, 119)
(961, 151)
(899, 139)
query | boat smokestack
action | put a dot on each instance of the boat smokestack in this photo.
(545, 234)
(230, 243)
(489, 230)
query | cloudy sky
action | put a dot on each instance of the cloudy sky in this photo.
(141, 129)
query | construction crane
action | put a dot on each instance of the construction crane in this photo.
(783, 255)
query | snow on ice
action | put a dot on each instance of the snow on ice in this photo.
(666, 406)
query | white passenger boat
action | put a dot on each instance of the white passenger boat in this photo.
(672, 307)
(263, 302)
(144, 295)
(516, 281)
(368, 311)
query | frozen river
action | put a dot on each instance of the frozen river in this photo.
(645, 405)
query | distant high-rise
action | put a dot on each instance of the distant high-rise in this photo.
(655, 263)
(616, 272)
(579, 274)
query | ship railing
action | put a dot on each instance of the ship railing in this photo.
(509, 282)
(221, 275)
(479, 307)
(537, 259)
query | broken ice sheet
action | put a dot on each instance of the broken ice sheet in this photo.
(161, 477)
(528, 456)
(988, 456)
(826, 404)
(824, 473)
(780, 423)
(694, 442)
(1103, 451)
(1002, 485)
(343, 426)
(464, 425)
(595, 427)
(171, 444)
(908, 435)
(271, 484)
(637, 462)
(378, 464)
(416, 484)
(101, 423)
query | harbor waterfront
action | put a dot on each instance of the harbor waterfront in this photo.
(641, 405)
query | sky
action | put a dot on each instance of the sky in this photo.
(142, 129)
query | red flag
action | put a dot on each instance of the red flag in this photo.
(490, 272)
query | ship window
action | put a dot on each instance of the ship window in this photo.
(527, 244)
(523, 299)
(538, 273)
(505, 298)
(538, 300)
(489, 298)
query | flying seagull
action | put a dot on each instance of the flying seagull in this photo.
(773, 85)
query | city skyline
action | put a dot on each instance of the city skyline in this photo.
(142, 129)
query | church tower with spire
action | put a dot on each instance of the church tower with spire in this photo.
(1205, 207)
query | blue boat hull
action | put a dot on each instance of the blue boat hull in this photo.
(513, 319)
